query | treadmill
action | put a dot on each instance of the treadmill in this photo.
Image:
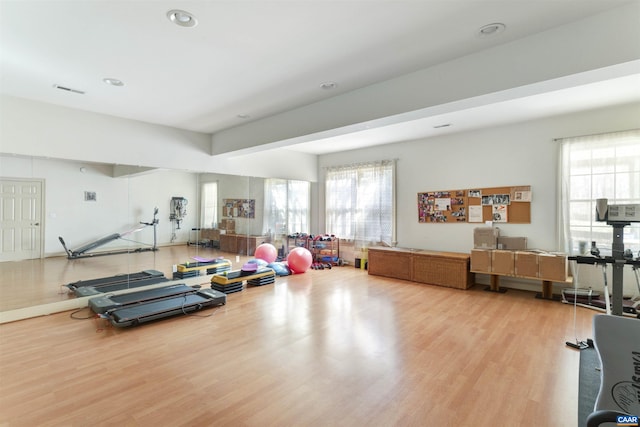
(153, 304)
(103, 303)
(118, 282)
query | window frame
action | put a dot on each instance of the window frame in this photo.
(594, 167)
(354, 200)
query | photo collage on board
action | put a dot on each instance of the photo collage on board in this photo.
(476, 205)
(442, 206)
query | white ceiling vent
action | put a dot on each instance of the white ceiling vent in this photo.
(68, 89)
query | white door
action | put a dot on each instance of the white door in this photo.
(20, 219)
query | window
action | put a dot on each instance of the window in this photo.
(286, 206)
(594, 167)
(360, 202)
(209, 205)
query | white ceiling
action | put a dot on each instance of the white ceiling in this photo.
(260, 58)
(466, 116)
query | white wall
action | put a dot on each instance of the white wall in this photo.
(518, 154)
(31, 128)
(122, 203)
(235, 187)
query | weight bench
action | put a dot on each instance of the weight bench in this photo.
(617, 342)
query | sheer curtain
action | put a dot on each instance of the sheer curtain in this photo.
(360, 202)
(593, 167)
(209, 205)
(286, 207)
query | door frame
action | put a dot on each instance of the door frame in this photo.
(42, 210)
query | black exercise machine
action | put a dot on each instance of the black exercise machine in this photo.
(616, 337)
(83, 251)
(153, 304)
(618, 216)
(594, 299)
(83, 288)
(103, 303)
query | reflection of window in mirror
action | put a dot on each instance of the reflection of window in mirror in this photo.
(286, 208)
(209, 199)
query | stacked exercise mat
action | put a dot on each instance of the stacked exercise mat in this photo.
(233, 281)
(193, 269)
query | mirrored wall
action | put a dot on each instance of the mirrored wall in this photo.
(67, 222)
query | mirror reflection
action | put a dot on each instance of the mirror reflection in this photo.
(79, 224)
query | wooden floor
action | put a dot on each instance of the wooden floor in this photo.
(325, 348)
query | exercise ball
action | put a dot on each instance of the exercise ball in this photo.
(266, 252)
(299, 260)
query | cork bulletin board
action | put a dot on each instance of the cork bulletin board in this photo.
(239, 208)
(477, 205)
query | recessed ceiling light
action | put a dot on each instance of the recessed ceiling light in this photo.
(243, 116)
(113, 82)
(182, 18)
(444, 125)
(328, 85)
(491, 29)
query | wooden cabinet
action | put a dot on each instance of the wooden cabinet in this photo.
(450, 269)
(240, 243)
(210, 234)
(229, 243)
(247, 244)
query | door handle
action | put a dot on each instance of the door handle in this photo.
(37, 223)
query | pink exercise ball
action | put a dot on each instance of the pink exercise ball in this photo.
(266, 252)
(299, 260)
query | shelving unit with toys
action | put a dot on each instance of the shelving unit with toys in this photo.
(325, 249)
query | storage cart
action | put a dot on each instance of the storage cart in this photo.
(297, 240)
(325, 249)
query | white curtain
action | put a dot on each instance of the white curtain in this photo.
(298, 203)
(286, 207)
(360, 202)
(209, 206)
(593, 167)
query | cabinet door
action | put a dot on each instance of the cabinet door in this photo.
(390, 264)
(246, 245)
(228, 243)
